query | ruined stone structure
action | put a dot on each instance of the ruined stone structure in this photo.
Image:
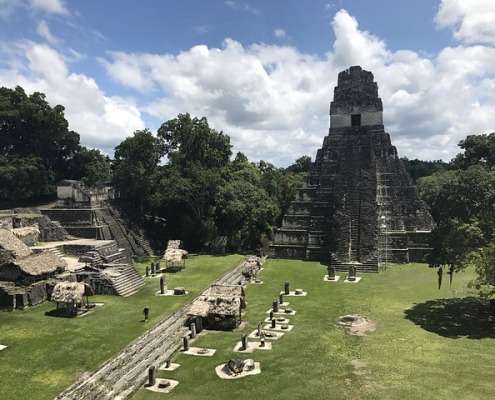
(86, 212)
(358, 205)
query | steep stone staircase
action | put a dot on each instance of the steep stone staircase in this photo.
(122, 279)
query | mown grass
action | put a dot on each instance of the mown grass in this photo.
(46, 354)
(429, 343)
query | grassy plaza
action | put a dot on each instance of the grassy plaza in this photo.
(428, 343)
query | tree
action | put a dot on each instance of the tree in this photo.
(24, 178)
(478, 150)
(244, 211)
(191, 140)
(302, 164)
(485, 268)
(29, 127)
(91, 166)
(136, 166)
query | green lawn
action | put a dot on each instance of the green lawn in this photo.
(429, 343)
(46, 354)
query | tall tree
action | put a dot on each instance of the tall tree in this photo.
(191, 140)
(136, 165)
(30, 127)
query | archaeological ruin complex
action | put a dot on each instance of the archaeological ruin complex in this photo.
(358, 205)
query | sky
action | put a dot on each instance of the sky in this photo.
(261, 71)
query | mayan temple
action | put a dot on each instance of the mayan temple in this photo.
(358, 205)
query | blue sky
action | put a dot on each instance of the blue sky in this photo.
(261, 71)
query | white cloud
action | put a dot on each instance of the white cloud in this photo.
(44, 31)
(471, 21)
(50, 6)
(279, 33)
(102, 121)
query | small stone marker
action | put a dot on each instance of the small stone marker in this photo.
(262, 339)
(281, 298)
(260, 328)
(244, 342)
(271, 314)
(287, 290)
(167, 363)
(331, 273)
(193, 330)
(151, 376)
(162, 285)
(152, 268)
(186, 343)
(274, 323)
(352, 273)
(157, 266)
(275, 306)
(147, 271)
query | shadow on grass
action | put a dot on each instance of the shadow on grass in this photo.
(455, 318)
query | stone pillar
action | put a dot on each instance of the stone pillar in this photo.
(147, 271)
(167, 363)
(274, 322)
(271, 314)
(151, 376)
(287, 290)
(244, 341)
(186, 343)
(331, 273)
(352, 273)
(152, 268)
(157, 266)
(281, 298)
(260, 328)
(193, 330)
(275, 306)
(162, 285)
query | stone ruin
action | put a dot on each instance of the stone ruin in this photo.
(358, 205)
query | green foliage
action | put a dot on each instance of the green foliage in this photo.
(23, 178)
(485, 268)
(418, 168)
(135, 167)
(244, 210)
(302, 164)
(29, 127)
(91, 166)
(191, 140)
(478, 150)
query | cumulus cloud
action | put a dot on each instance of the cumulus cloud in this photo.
(103, 121)
(50, 6)
(470, 21)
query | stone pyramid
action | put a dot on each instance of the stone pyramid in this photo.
(358, 205)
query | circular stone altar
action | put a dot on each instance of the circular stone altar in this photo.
(355, 324)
